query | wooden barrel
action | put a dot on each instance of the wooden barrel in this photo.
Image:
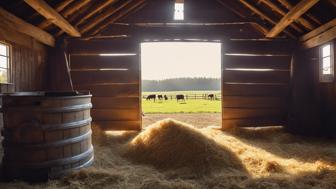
(46, 135)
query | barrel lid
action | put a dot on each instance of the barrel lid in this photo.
(52, 94)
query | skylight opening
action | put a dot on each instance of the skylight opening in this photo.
(179, 10)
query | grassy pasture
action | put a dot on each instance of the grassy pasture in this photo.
(189, 106)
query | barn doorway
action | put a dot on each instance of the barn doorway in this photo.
(181, 80)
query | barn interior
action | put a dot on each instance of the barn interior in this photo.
(278, 95)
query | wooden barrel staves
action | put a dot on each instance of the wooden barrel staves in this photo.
(46, 135)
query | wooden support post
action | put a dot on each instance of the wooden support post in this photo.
(50, 14)
(302, 7)
(8, 20)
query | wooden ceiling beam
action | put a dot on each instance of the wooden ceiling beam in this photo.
(320, 39)
(263, 16)
(101, 17)
(301, 20)
(89, 13)
(302, 7)
(118, 16)
(95, 10)
(58, 8)
(332, 2)
(319, 30)
(8, 20)
(50, 14)
(66, 12)
(274, 7)
(241, 14)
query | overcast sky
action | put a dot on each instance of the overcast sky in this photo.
(164, 60)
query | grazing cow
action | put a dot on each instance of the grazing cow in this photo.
(211, 96)
(150, 97)
(180, 97)
(160, 97)
(165, 97)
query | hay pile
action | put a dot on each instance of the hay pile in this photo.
(170, 144)
(243, 158)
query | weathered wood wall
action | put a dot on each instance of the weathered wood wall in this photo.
(28, 61)
(255, 83)
(313, 103)
(114, 81)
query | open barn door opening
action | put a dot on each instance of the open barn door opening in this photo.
(181, 80)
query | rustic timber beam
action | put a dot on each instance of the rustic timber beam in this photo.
(302, 7)
(263, 16)
(320, 35)
(319, 30)
(67, 11)
(274, 7)
(320, 39)
(95, 10)
(58, 8)
(241, 14)
(332, 2)
(104, 15)
(91, 12)
(50, 14)
(118, 16)
(228, 5)
(8, 20)
(300, 20)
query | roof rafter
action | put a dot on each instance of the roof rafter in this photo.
(298, 10)
(318, 30)
(50, 14)
(301, 20)
(325, 36)
(89, 13)
(239, 13)
(263, 16)
(95, 10)
(104, 15)
(8, 20)
(58, 8)
(281, 12)
(111, 20)
(66, 12)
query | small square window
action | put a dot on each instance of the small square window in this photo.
(179, 11)
(4, 63)
(326, 63)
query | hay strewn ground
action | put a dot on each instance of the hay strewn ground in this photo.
(198, 120)
(172, 155)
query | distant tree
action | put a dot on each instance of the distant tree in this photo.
(181, 84)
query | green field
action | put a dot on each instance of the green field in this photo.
(189, 106)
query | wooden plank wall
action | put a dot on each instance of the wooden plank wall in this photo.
(256, 83)
(28, 61)
(313, 103)
(114, 81)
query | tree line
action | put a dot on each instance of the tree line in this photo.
(181, 84)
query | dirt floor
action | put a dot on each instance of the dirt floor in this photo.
(171, 154)
(198, 120)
